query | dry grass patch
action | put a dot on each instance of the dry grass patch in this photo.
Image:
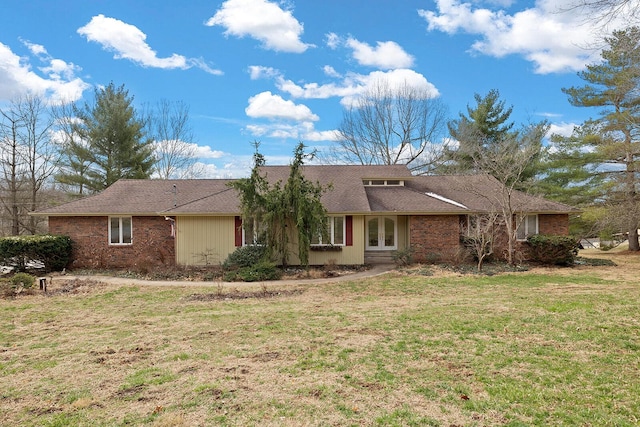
(544, 347)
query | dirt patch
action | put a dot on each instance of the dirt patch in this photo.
(240, 295)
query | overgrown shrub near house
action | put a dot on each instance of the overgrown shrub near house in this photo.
(553, 250)
(263, 270)
(22, 252)
(245, 256)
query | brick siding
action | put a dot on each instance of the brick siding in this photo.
(557, 225)
(434, 237)
(152, 244)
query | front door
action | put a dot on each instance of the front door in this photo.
(382, 233)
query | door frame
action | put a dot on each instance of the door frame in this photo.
(381, 233)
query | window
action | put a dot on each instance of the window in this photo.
(252, 234)
(334, 234)
(120, 230)
(528, 227)
(383, 182)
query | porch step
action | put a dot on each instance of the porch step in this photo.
(378, 257)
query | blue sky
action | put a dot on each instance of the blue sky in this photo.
(281, 72)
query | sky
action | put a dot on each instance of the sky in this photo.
(281, 72)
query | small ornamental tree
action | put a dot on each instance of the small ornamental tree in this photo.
(274, 213)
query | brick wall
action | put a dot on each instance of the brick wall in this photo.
(434, 237)
(553, 224)
(152, 242)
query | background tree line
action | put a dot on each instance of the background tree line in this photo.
(51, 153)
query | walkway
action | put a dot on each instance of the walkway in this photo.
(375, 270)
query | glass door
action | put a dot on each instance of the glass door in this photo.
(382, 233)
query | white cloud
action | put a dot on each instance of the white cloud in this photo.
(262, 20)
(36, 49)
(205, 152)
(257, 72)
(59, 83)
(303, 131)
(386, 55)
(128, 42)
(562, 128)
(270, 106)
(332, 40)
(330, 71)
(355, 84)
(548, 35)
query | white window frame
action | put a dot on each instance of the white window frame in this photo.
(525, 223)
(383, 182)
(254, 240)
(332, 232)
(120, 241)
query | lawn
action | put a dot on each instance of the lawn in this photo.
(543, 347)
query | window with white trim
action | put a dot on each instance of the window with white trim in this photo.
(383, 182)
(528, 227)
(120, 230)
(252, 234)
(334, 233)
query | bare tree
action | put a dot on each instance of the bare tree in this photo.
(28, 159)
(175, 151)
(480, 235)
(11, 167)
(602, 12)
(505, 164)
(40, 154)
(392, 125)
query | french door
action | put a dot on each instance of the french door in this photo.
(382, 233)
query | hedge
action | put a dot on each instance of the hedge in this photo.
(553, 250)
(54, 252)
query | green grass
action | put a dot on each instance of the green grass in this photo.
(514, 349)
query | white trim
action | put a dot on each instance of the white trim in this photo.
(525, 223)
(332, 236)
(120, 235)
(444, 199)
(381, 233)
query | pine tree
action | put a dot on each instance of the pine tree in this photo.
(485, 126)
(106, 142)
(605, 152)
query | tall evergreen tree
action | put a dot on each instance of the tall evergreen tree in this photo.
(106, 142)
(602, 156)
(485, 126)
(281, 213)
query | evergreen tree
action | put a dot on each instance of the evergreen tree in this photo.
(277, 213)
(602, 155)
(485, 126)
(106, 142)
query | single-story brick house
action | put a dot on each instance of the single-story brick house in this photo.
(373, 210)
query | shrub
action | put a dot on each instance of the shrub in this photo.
(403, 257)
(261, 271)
(54, 252)
(553, 250)
(22, 280)
(245, 256)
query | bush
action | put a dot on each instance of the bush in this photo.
(403, 257)
(22, 280)
(553, 250)
(245, 256)
(22, 252)
(258, 272)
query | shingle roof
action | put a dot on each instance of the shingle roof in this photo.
(450, 194)
(482, 193)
